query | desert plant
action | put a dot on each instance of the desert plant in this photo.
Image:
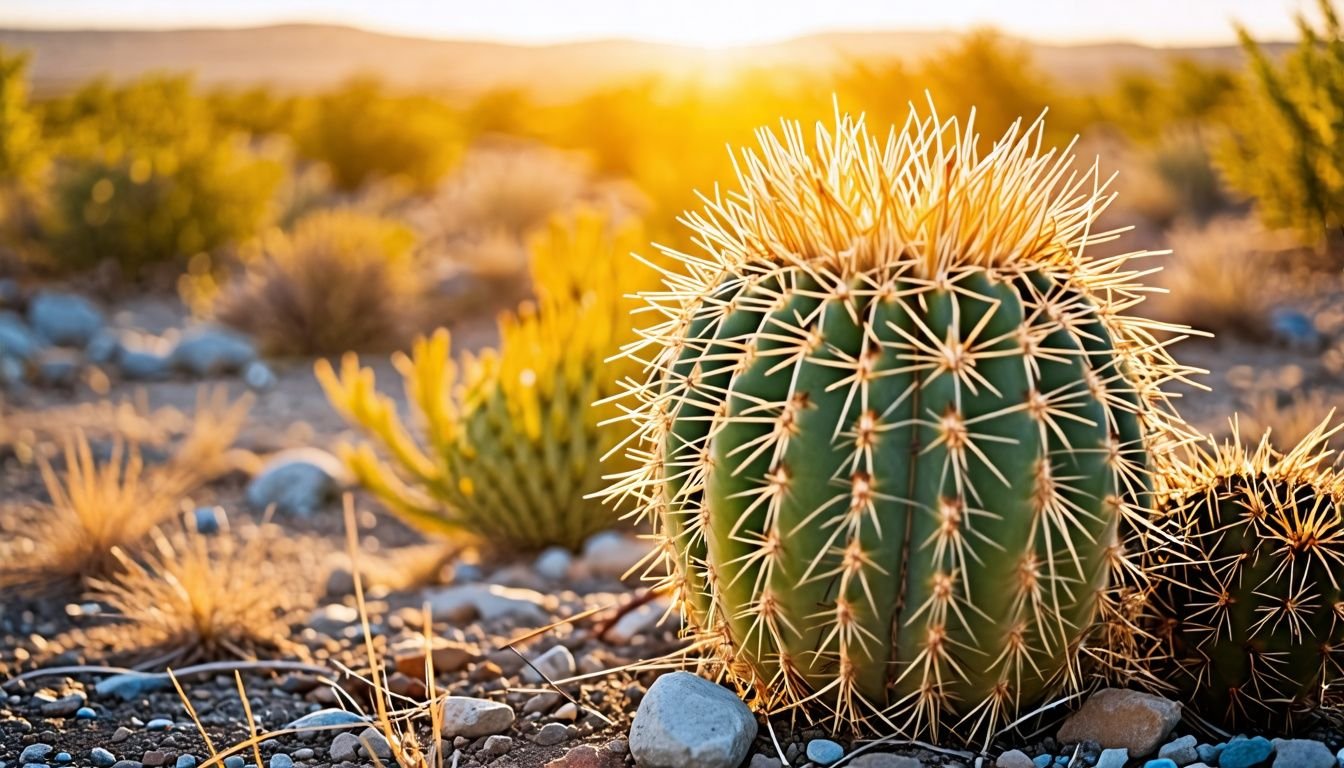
(190, 596)
(1250, 614)
(22, 155)
(338, 280)
(512, 447)
(1286, 148)
(895, 423)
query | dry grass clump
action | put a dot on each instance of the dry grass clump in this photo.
(1223, 276)
(338, 280)
(27, 432)
(191, 597)
(1292, 417)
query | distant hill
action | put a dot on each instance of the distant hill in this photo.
(307, 57)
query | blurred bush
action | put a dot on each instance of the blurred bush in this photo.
(1287, 141)
(144, 175)
(338, 280)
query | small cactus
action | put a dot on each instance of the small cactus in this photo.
(895, 426)
(511, 447)
(1252, 612)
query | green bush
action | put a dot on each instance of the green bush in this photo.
(144, 175)
(1287, 144)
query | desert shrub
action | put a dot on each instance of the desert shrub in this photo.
(363, 133)
(1222, 276)
(145, 176)
(1291, 415)
(338, 280)
(1187, 95)
(22, 155)
(1286, 148)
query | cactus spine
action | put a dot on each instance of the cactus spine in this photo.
(511, 447)
(1253, 613)
(892, 421)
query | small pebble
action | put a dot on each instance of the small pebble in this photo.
(185, 761)
(1042, 761)
(1113, 758)
(86, 713)
(234, 761)
(34, 753)
(1014, 758)
(121, 734)
(1245, 753)
(1180, 751)
(551, 734)
(281, 760)
(1160, 762)
(824, 751)
(62, 758)
(159, 724)
(304, 754)
(101, 757)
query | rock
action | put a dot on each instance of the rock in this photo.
(1114, 717)
(567, 712)
(1182, 751)
(375, 743)
(1301, 753)
(554, 665)
(189, 761)
(326, 718)
(685, 720)
(298, 481)
(1160, 762)
(463, 602)
(764, 761)
(448, 656)
(259, 376)
(86, 713)
(1295, 328)
(104, 348)
(611, 554)
(1246, 753)
(824, 751)
(551, 734)
(159, 724)
(344, 748)
(281, 760)
(473, 718)
(131, 686)
(553, 563)
(1113, 758)
(101, 757)
(541, 703)
(208, 519)
(884, 760)
(1014, 758)
(58, 368)
(587, 756)
(234, 761)
(34, 753)
(496, 746)
(638, 621)
(210, 351)
(121, 734)
(153, 759)
(136, 764)
(1208, 753)
(303, 754)
(142, 364)
(64, 319)
(16, 340)
(65, 706)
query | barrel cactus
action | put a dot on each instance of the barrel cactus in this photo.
(511, 446)
(1252, 613)
(895, 426)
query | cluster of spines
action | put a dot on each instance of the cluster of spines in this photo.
(830, 240)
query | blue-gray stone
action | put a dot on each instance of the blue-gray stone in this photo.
(86, 713)
(281, 760)
(101, 757)
(685, 719)
(234, 761)
(64, 319)
(210, 351)
(298, 481)
(1041, 761)
(144, 364)
(1160, 762)
(259, 376)
(1180, 751)
(1246, 753)
(62, 758)
(1339, 756)
(824, 751)
(208, 519)
(34, 753)
(131, 685)
(1113, 758)
(159, 724)
(326, 718)
(103, 348)
(187, 760)
(16, 340)
(1208, 753)
(1302, 753)
(1294, 328)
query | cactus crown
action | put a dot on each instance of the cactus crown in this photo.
(1253, 613)
(892, 420)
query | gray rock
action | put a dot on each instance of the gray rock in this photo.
(1302, 753)
(1182, 751)
(375, 743)
(304, 753)
(326, 718)
(64, 319)
(138, 764)
(556, 664)
(1115, 717)
(103, 349)
(553, 563)
(210, 351)
(541, 703)
(612, 554)
(764, 761)
(551, 734)
(159, 724)
(65, 706)
(58, 368)
(16, 340)
(462, 602)
(189, 761)
(34, 753)
(208, 520)
(685, 720)
(259, 376)
(131, 686)
(101, 758)
(824, 751)
(640, 620)
(281, 760)
(1014, 758)
(473, 718)
(344, 748)
(234, 761)
(297, 481)
(496, 746)
(1113, 758)
(884, 760)
(142, 364)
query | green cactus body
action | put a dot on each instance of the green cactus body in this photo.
(1253, 614)
(892, 487)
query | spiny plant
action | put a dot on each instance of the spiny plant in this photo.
(894, 423)
(1252, 615)
(511, 446)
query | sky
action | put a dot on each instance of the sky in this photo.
(709, 23)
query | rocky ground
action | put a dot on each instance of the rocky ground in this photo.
(508, 630)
